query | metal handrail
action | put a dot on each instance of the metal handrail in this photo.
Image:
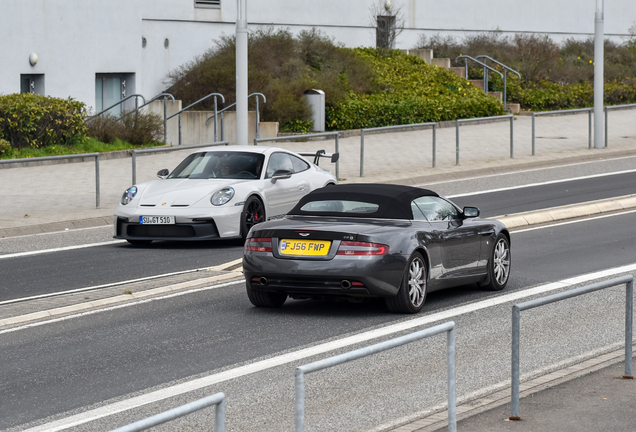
(118, 103)
(516, 314)
(466, 58)
(71, 156)
(506, 69)
(613, 107)
(447, 327)
(560, 112)
(193, 104)
(258, 118)
(165, 111)
(458, 121)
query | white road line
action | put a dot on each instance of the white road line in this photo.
(556, 224)
(43, 251)
(542, 183)
(209, 380)
(66, 230)
(213, 268)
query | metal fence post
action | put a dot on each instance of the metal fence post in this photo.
(215, 120)
(512, 143)
(97, 180)
(434, 143)
(605, 108)
(338, 161)
(179, 129)
(589, 127)
(452, 404)
(165, 122)
(515, 363)
(300, 400)
(134, 167)
(258, 118)
(629, 317)
(456, 142)
(361, 152)
(532, 134)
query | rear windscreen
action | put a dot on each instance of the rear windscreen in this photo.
(340, 206)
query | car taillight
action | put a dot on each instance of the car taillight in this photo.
(362, 248)
(258, 244)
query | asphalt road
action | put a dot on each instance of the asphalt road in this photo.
(67, 365)
(27, 276)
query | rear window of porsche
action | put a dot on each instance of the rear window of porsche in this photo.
(340, 206)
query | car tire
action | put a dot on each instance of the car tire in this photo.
(139, 242)
(498, 265)
(266, 299)
(412, 293)
(253, 213)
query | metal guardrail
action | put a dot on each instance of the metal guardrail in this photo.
(217, 399)
(74, 156)
(505, 74)
(568, 111)
(166, 149)
(165, 111)
(448, 327)
(458, 121)
(119, 103)
(193, 104)
(258, 116)
(376, 129)
(614, 107)
(516, 312)
(335, 135)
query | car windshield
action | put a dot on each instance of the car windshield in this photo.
(340, 206)
(220, 164)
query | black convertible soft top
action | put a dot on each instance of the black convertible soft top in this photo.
(394, 201)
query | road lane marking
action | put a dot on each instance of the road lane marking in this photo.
(60, 249)
(301, 354)
(219, 267)
(572, 221)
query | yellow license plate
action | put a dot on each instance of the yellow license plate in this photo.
(304, 247)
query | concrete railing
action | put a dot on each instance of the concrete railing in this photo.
(75, 156)
(217, 399)
(516, 315)
(448, 328)
(166, 149)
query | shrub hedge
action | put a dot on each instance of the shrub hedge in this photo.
(31, 120)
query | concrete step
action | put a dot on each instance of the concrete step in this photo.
(424, 54)
(498, 95)
(477, 83)
(513, 108)
(442, 62)
(458, 70)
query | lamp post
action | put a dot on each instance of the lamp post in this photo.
(598, 73)
(241, 72)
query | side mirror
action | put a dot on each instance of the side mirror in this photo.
(163, 174)
(471, 212)
(281, 174)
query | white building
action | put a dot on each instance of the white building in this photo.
(97, 51)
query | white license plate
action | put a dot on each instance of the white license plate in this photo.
(156, 220)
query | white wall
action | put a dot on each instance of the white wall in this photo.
(75, 39)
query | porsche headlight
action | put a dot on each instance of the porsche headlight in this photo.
(222, 196)
(128, 195)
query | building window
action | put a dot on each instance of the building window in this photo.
(207, 4)
(32, 83)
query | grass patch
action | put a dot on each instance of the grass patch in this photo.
(90, 145)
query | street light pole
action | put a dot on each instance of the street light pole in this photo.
(598, 73)
(241, 72)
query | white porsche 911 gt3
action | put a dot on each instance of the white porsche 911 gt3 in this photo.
(218, 193)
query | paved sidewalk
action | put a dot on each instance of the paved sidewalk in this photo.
(48, 198)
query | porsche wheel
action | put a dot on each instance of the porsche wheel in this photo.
(266, 299)
(253, 213)
(498, 265)
(412, 293)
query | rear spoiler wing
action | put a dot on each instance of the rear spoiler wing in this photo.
(322, 154)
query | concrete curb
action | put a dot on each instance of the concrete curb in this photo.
(568, 212)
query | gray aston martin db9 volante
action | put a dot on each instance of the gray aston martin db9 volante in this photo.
(365, 241)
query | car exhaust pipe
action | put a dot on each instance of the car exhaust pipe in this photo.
(263, 281)
(345, 284)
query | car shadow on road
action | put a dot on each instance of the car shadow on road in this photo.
(189, 245)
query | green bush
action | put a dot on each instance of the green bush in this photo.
(134, 127)
(5, 147)
(31, 120)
